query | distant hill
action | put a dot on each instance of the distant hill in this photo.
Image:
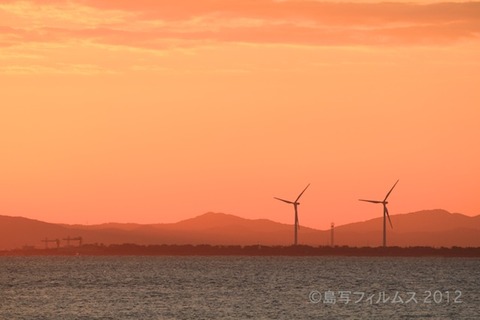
(424, 228)
(16, 232)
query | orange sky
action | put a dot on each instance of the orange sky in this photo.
(156, 111)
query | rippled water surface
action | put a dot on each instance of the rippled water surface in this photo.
(239, 287)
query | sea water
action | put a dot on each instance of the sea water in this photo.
(239, 288)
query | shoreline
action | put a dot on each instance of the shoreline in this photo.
(253, 250)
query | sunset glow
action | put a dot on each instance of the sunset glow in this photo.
(157, 111)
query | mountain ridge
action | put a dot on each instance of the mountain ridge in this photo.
(435, 227)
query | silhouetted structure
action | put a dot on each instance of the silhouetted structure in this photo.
(46, 240)
(385, 213)
(68, 239)
(295, 204)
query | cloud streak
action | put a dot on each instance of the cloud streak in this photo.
(160, 24)
(87, 37)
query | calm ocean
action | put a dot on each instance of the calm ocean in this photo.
(239, 288)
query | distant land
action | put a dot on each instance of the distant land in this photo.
(237, 250)
(428, 228)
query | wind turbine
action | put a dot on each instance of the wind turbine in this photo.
(295, 205)
(385, 213)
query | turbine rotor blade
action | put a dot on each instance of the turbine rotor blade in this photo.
(372, 201)
(388, 216)
(391, 190)
(302, 192)
(290, 202)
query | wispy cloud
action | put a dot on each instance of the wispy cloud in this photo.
(155, 24)
(60, 69)
(81, 33)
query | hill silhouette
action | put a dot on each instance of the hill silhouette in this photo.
(424, 228)
(434, 228)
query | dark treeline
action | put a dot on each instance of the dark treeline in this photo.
(254, 250)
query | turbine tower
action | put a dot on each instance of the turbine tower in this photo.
(295, 205)
(385, 213)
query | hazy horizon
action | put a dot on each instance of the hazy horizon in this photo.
(240, 216)
(434, 228)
